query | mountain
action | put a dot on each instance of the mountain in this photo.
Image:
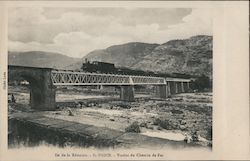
(189, 56)
(126, 55)
(40, 59)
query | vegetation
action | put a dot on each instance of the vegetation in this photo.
(134, 127)
(163, 123)
(202, 84)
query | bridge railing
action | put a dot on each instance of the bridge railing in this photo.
(81, 78)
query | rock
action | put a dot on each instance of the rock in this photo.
(125, 105)
(148, 110)
(152, 117)
(70, 112)
(159, 128)
(112, 119)
(150, 127)
(122, 116)
(189, 125)
(175, 125)
(156, 121)
(183, 127)
(187, 139)
(195, 136)
(143, 124)
(183, 122)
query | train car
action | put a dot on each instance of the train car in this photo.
(128, 71)
(104, 67)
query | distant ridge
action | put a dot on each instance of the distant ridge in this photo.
(40, 59)
(190, 56)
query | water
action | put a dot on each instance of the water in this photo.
(68, 97)
(104, 111)
(165, 135)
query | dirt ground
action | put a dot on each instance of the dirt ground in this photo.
(182, 117)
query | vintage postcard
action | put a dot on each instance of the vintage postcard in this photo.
(124, 80)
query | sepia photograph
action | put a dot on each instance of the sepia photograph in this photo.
(124, 81)
(110, 77)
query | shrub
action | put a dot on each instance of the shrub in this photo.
(165, 124)
(202, 83)
(134, 127)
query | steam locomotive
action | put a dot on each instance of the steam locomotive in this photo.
(109, 68)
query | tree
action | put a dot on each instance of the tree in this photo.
(202, 83)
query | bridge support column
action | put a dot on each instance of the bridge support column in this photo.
(176, 87)
(179, 87)
(162, 91)
(188, 86)
(182, 87)
(185, 87)
(42, 100)
(172, 87)
(127, 93)
(168, 89)
(43, 92)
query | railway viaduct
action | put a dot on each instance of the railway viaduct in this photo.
(43, 82)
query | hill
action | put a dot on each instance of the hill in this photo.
(122, 55)
(40, 59)
(190, 56)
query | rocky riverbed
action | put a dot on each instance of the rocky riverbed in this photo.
(183, 117)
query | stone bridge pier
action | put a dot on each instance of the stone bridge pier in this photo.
(163, 91)
(42, 90)
(186, 87)
(172, 86)
(127, 93)
(180, 87)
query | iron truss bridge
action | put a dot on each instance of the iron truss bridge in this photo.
(82, 78)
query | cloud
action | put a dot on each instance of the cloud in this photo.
(77, 31)
(199, 22)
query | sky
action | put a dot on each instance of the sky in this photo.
(77, 31)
